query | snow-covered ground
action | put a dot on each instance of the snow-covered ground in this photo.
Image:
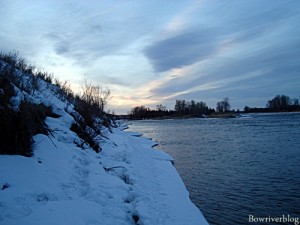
(127, 183)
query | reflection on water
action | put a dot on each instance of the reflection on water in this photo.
(234, 168)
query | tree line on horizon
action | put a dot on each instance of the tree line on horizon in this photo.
(280, 103)
(184, 108)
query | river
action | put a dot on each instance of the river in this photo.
(235, 169)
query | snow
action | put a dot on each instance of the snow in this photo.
(127, 183)
(62, 184)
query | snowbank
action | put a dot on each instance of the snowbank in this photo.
(127, 183)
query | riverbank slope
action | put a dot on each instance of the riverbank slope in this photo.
(127, 183)
(66, 180)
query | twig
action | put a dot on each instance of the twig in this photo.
(111, 168)
(52, 141)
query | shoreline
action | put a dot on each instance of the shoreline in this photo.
(127, 183)
(214, 115)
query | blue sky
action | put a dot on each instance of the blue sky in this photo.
(154, 52)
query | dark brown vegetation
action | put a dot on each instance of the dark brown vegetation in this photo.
(18, 126)
(20, 121)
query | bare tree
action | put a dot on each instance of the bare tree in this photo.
(280, 102)
(161, 108)
(95, 95)
(223, 106)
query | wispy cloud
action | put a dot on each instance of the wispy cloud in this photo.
(233, 54)
(193, 44)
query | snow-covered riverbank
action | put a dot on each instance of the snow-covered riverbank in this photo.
(67, 182)
(127, 183)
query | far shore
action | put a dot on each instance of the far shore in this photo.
(226, 115)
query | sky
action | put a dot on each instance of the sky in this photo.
(154, 52)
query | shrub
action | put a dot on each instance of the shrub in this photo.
(64, 91)
(18, 127)
(8, 72)
(7, 91)
(15, 133)
(10, 58)
(88, 136)
(17, 62)
(90, 106)
(47, 77)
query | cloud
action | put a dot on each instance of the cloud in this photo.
(240, 21)
(251, 52)
(250, 70)
(185, 48)
(158, 50)
(81, 32)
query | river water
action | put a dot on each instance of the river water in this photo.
(235, 168)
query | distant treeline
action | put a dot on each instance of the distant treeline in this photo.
(184, 108)
(181, 108)
(280, 103)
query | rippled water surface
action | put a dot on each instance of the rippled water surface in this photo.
(237, 167)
